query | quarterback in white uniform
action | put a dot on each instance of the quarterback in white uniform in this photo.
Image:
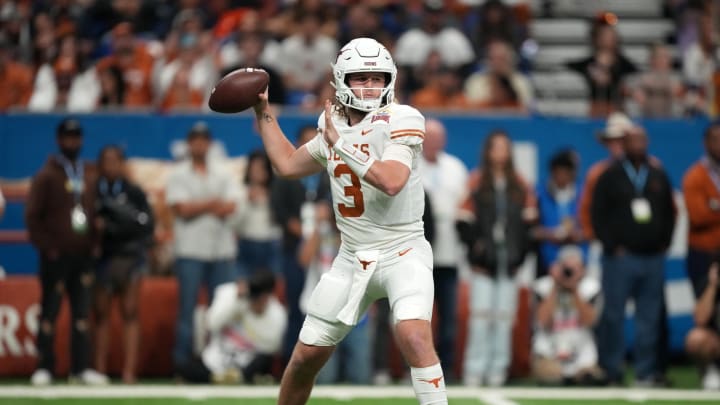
(370, 147)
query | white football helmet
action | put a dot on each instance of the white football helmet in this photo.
(363, 55)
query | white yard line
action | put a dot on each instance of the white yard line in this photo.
(492, 396)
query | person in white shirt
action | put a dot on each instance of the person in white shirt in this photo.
(445, 181)
(202, 195)
(246, 323)
(564, 349)
(370, 147)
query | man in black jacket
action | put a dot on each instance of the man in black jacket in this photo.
(633, 215)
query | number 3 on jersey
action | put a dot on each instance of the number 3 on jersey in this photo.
(353, 191)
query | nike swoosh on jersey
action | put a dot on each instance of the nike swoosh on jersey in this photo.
(365, 131)
(404, 252)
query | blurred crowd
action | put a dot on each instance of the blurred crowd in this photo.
(89, 55)
(236, 236)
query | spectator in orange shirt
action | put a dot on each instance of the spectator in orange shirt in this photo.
(442, 90)
(616, 127)
(15, 79)
(701, 188)
(135, 63)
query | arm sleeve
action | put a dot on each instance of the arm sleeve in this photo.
(223, 307)
(598, 211)
(401, 153)
(318, 149)
(35, 214)
(407, 127)
(699, 212)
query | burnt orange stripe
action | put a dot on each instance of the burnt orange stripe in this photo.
(407, 130)
(401, 135)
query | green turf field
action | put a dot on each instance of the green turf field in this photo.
(343, 395)
(323, 401)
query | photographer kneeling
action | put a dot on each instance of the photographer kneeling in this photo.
(564, 350)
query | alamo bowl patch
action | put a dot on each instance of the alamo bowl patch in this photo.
(381, 116)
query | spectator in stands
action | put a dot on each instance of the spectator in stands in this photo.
(15, 78)
(499, 85)
(658, 90)
(125, 222)
(445, 181)
(250, 51)
(558, 199)
(699, 65)
(185, 82)
(259, 234)
(494, 225)
(701, 189)
(202, 196)
(246, 324)
(60, 215)
(605, 69)
(303, 60)
(442, 90)
(135, 64)
(291, 201)
(494, 21)
(563, 345)
(703, 341)
(611, 137)
(363, 20)
(320, 244)
(633, 215)
(286, 23)
(415, 45)
(66, 82)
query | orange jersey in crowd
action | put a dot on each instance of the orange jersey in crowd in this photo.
(702, 199)
(16, 85)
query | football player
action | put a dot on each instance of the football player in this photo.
(370, 147)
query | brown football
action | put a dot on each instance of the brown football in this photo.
(238, 90)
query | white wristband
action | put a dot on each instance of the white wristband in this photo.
(358, 161)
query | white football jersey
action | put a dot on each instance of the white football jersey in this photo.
(367, 217)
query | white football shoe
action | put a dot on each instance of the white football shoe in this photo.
(711, 379)
(41, 377)
(90, 377)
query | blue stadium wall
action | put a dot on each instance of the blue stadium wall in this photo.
(27, 140)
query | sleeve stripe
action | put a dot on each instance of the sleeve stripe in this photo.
(407, 130)
(399, 135)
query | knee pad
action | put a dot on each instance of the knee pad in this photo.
(318, 332)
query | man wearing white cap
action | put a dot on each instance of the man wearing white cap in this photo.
(616, 127)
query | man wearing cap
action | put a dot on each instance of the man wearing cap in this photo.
(202, 196)
(633, 216)
(59, 214)
(618, 124)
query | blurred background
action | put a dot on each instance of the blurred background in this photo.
(561, 78)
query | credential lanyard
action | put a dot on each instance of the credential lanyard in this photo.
(637, 177)
(75, 175)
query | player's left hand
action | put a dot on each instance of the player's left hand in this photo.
(329, 133)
